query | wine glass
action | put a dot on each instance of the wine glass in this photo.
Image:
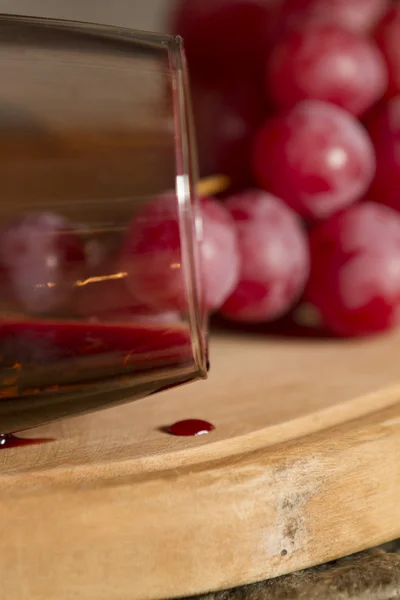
(100, 297)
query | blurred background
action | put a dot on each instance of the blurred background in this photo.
(140, 14)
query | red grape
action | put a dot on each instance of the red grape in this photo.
(108, 300)
(103, 293)
(384, 129)
(359, 16)
(151, 256)
(316, 157)
(324, 62)
(355, 270)
(387, 37)
(42, 258)
(219, 252)
(274, 258)
(224, 38)
(226, 121)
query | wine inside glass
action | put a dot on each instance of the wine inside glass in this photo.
(99, 293)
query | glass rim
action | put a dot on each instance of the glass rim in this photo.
(187, 196)
(116, 32)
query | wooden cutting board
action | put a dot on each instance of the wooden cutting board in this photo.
(303, 467)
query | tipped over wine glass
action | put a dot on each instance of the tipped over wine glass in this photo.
(100, 299)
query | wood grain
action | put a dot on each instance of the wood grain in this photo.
(302, 468)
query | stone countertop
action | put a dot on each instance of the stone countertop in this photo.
(370, 575)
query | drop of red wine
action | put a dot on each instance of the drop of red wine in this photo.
(9, 440)
(190, 427)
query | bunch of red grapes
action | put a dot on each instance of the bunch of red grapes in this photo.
(298, 103)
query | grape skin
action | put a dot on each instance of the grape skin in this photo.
(274, 258)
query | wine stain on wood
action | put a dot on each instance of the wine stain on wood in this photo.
(9, 440)
(189, 428)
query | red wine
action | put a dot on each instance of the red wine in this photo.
(190, 427)
(53, 369)
(12, 441)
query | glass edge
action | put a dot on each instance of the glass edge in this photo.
(186, 178)
(111, 31)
